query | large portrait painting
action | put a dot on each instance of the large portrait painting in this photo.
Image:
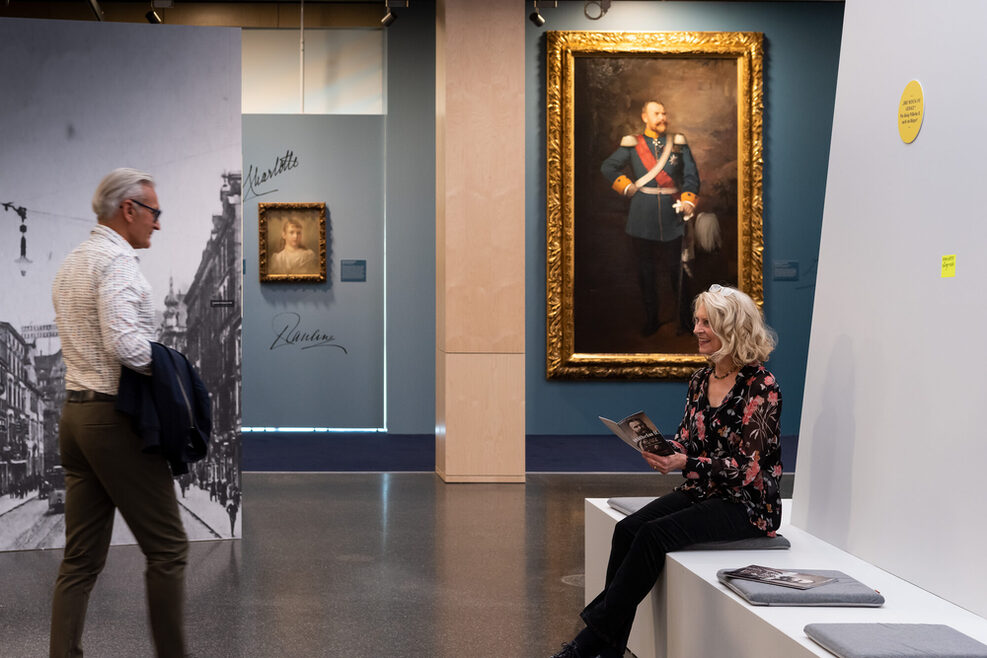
(292, 240)
(653, 194)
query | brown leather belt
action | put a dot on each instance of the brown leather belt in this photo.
(89, 396)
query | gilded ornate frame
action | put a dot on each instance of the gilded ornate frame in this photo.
(312, 216)
(563, 48)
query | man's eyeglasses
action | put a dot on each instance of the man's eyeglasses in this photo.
(721, 289)
(156, 212)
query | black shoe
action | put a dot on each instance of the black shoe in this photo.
(568, 651)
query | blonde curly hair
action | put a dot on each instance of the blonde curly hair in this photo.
(738, 323)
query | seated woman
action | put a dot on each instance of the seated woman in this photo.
(294, 257)
(730, 458)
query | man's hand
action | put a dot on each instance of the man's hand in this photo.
(684, 208)
(630, 190)
(665, 465)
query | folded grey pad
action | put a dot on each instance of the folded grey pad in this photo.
(843, 592)
(631, 504)
(895, 641)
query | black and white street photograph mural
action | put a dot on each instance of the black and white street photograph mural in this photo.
(161, 99)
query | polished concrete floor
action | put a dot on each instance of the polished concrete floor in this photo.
(354, 564)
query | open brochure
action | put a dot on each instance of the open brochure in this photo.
(640, 433)
(771, 576)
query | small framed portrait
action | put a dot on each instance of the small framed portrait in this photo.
(654, 158)
(292, 242)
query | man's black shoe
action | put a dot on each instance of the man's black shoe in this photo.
(568, 651)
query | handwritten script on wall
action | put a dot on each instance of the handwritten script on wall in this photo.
(289, 332)
(256, 178)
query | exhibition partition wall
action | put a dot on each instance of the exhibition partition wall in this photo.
(80, 99)
(316, 347)
(364, 145)
(891, 450)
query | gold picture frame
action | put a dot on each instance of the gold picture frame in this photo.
(292, 242)
(598, 84)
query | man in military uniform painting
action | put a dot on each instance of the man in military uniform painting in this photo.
(657, 173)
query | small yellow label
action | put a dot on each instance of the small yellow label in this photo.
(911, 109)
(948, 266)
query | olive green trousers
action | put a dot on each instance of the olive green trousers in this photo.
(106, 470)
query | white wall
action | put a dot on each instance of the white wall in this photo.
(344, 71)
(892, 447)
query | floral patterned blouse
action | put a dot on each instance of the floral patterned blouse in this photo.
(734, 450)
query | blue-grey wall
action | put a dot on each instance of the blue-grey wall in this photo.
(393, 174)
(409, 173)
(802, 43)
(312, 350)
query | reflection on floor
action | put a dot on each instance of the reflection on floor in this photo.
(354, 564)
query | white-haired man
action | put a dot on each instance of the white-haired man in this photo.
(105, 320)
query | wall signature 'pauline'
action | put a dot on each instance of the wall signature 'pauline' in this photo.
(289, 333)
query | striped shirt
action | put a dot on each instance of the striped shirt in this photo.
(103, 312)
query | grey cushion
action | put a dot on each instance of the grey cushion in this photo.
(845, 591)
(873, 640)
(777, 542)
(631, 504)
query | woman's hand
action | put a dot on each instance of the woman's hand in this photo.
(665, 465)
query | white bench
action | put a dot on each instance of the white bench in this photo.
(690, 614)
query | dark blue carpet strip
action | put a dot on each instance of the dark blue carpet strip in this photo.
(339, 451)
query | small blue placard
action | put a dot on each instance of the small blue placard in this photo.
(785, 270)
(353, 270)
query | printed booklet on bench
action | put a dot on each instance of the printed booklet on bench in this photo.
(640, 433)
(781, 577)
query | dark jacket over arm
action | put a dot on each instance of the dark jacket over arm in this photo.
(170, 409)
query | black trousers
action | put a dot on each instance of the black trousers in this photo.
(106, 470)
(657, 261)
(637, 554)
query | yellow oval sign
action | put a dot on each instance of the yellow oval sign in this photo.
(911, 109)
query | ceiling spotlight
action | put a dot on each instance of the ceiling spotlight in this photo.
(152, 17)
(94, 5)
(390, 16)
(536, 16)
(596, 9)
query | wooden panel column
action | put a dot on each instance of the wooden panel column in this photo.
(479, 120)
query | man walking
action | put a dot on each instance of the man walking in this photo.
(665, 188)
(105, 321)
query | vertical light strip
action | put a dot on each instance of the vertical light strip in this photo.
(384, 250)
(301, 55)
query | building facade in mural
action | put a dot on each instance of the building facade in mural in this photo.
(213, 345)
(22, 411)
(171, 330)
(51, 380)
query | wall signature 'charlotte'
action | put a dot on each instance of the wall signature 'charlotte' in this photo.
(256, 177)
